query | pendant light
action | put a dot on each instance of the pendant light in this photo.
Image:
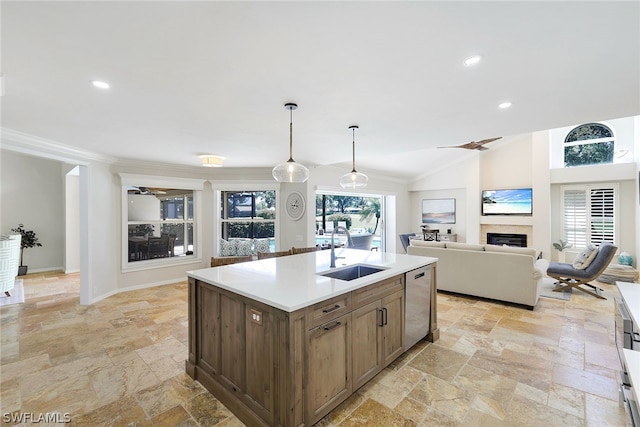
(354, 179)
(290, 171)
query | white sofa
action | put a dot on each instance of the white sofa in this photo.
(9, 261)
(501, 273)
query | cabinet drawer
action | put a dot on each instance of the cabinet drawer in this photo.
(329, 310)
(376, 291)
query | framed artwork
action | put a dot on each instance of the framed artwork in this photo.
(439, 211)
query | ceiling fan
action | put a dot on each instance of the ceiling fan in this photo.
(474, 145)
(145, 190)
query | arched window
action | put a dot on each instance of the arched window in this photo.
(589, 144)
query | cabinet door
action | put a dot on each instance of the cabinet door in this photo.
(328, 368)
(367, 343)
(393, 327)
(208, 329)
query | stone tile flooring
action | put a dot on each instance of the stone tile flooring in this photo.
(120, 362)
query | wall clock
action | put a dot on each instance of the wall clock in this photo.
(295, 205)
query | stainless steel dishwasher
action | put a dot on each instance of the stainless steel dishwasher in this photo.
(417, 305)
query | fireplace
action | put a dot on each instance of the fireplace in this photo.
(508, 239)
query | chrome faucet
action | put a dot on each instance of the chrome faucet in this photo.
(333, 248)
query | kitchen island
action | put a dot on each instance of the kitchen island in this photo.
(279, 343)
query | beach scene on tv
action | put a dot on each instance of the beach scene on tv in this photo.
(507, 202)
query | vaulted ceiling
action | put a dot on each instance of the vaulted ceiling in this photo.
(190, 78)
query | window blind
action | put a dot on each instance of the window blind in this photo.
(602, 220)
(575, 217)
(589, 215)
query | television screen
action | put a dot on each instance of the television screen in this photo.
(507, 202)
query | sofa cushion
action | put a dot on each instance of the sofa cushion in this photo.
(430, 243)
(511, 250)
(584, 258)
(465, 246)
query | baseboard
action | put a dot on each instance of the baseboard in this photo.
(138, 287)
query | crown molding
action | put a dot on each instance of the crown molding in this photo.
(25, 143)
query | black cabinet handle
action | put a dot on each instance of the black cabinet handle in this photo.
(335, 325)
(418, 276)
(384, 316)
(381, 316)
(329, 310)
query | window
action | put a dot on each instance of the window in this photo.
(589, 214)
(160, 223)
(589, 144)
(159, 220)
(360, 214)
(248, 215)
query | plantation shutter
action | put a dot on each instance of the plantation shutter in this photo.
(602, 204)
(575, 217)
(589, 215)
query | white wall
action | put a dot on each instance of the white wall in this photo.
(636, 123)
(100, 239)
(32, 191)
(72, 221)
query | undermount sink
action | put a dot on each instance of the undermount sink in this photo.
(352, 272)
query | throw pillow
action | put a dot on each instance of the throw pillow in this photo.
(243, 247)
(228, 248)
(261, 245)
(585, 257)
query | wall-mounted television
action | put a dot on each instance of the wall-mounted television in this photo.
(517, 201)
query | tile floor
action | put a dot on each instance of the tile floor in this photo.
(120, 362)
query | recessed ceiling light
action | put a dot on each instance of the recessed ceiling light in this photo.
(100, 84)
(472, 60)
(504, 105)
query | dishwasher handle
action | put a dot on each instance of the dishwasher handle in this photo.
(417, 276)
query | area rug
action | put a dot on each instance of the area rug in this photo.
(548, 285)
(17, 295)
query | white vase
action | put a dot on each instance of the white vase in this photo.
(561, 257)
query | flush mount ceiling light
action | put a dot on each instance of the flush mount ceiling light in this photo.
(290, 171)
(471, 60)
(504, 105)
(211, 161)
(100, 84)
(354, 179)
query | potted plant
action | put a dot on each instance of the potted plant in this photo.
(561, 245)
(29, 240)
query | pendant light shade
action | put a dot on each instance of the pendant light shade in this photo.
(290, 171)
(354, 179)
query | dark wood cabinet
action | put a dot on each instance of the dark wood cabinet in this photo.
(277, 368)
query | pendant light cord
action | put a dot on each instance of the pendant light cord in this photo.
(291, 135)
(353, 129)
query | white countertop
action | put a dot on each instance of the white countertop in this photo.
(291, 282)
(630, 292)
